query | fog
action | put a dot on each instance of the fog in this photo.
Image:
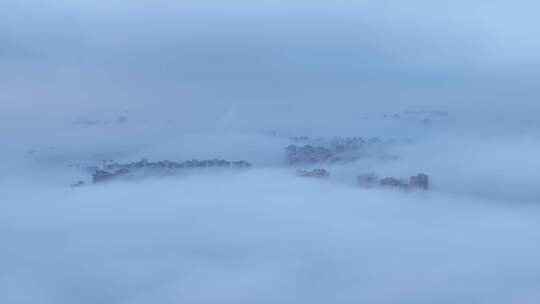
(448, 88)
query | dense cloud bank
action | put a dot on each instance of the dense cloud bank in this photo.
(266, 236)
(263, 237)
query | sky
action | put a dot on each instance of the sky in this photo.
(199, 61)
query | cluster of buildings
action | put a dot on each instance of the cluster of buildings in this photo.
(316, 173)
(167, 164)
(308, 155)
(304, 152)
(370, 180)
(89, 122)
(308, 151)
(423, 116)
(115, 170)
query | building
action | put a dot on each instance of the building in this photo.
(420, 181)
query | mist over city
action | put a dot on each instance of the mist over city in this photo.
(269, 151)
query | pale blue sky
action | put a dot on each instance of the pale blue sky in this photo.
(302, 56)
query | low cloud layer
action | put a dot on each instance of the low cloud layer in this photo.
(263, 237)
